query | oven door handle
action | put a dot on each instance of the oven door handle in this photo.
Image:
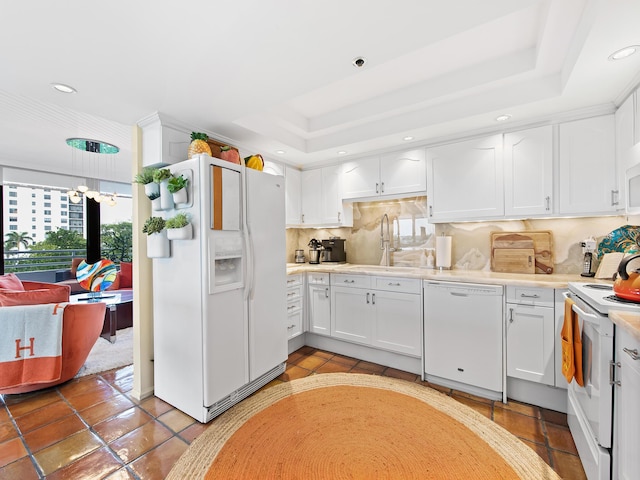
(581, 312)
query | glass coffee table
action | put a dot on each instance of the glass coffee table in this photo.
(119, 309)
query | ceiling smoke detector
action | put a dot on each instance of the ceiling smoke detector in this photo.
(359, 62)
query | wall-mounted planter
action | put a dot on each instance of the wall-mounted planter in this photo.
(180, 196)
(166, 197)
(158, 245)
(183, 233)
(151, 189)
(156, 204)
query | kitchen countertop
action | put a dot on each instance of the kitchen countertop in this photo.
(628, 321)
(554, 280)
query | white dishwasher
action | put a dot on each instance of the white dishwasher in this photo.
(464, 337)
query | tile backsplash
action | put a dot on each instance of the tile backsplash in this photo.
(471, 247)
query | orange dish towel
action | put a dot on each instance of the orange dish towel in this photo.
(571, 345)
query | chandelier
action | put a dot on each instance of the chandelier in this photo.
(95, 148)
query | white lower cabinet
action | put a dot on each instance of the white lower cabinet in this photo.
(295, 303)
(319, 303)
(626, 461)
(387, 319)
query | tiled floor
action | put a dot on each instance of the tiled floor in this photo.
(91, 428)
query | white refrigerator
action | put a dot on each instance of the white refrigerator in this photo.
(219, 299)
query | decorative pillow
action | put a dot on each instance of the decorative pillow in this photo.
(98, 276)
(10, 281)
(116, 283)
(56, 294)
(126, 275)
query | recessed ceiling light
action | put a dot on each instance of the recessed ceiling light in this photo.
(280, 152)
(407, 138)
(61, 87)
(359, 62)
(503, 118)
(624, 52)
(342, 152)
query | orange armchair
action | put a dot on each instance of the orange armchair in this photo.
(81, 327)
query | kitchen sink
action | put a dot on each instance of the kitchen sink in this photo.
(378, 268)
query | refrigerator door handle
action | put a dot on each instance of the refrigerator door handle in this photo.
(248, 290)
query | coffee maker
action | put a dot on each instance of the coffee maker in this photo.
(333, 250)
(314, 251)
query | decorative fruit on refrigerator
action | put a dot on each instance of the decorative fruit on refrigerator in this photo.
(254, 161)
(198, 144)
(230, 154)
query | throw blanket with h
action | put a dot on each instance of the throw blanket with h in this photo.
(30, 344)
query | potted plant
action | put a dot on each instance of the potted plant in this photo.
(155, 200)
(177, 186)
(179, 227)
(161, 176)
(158, 245)
(145, 177)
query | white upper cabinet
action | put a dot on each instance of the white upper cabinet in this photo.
(311, 182)
(397, 173)
(465, 180)
(588, 179)
(528, 172)
(293, 199)
(403, 172)
(321, 198)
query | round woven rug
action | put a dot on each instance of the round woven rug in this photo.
(351, 426)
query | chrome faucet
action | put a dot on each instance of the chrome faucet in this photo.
(385, 241)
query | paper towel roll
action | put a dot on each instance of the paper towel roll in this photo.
(443, 252)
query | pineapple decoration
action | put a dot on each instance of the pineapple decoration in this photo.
(199, 144)
(254, 161)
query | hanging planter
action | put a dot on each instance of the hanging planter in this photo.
(151, 189)
(161, 177)
(145, 177)
(182, 233)
(158, 245)
(156, 204)
(178, 188)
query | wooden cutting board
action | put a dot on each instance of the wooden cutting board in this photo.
(542, 246)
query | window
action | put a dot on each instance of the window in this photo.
(63, 198)
(47, 197)
(34, 219)
(13, 194)
(47, 204)
(33, 204)
(33, 195)
(47, 212)
(13, 227)
(47, 228)
(33, 210)
(47, 220)
(63, 220)
(63, 214)
(33, 227)
(13, 219)
(13, 202)
(13, 210)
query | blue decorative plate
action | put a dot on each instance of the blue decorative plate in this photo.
(624, 239)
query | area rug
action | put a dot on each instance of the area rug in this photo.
(106, 355)
(353, 426)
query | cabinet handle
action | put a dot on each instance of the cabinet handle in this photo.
(303, 218)
(547, 201)
(377, 191)
(524, 295)
(632, 353)
(326, 292)
(373, 298)
(339, 216)
(391, 284)
(612, 373)
(431, 210)
(291, 307)
(368, 297)
(291, 294)
(291, 326)
(382, 187)
(614, 197)
(349, 281)
(511, 315)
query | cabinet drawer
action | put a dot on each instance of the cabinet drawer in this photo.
(346, 280)
(394, 284)
(318, 278)
(530, 296)
(294, 324)
(627, 345)
(294, 293)
(294, 306)
(294, 280)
